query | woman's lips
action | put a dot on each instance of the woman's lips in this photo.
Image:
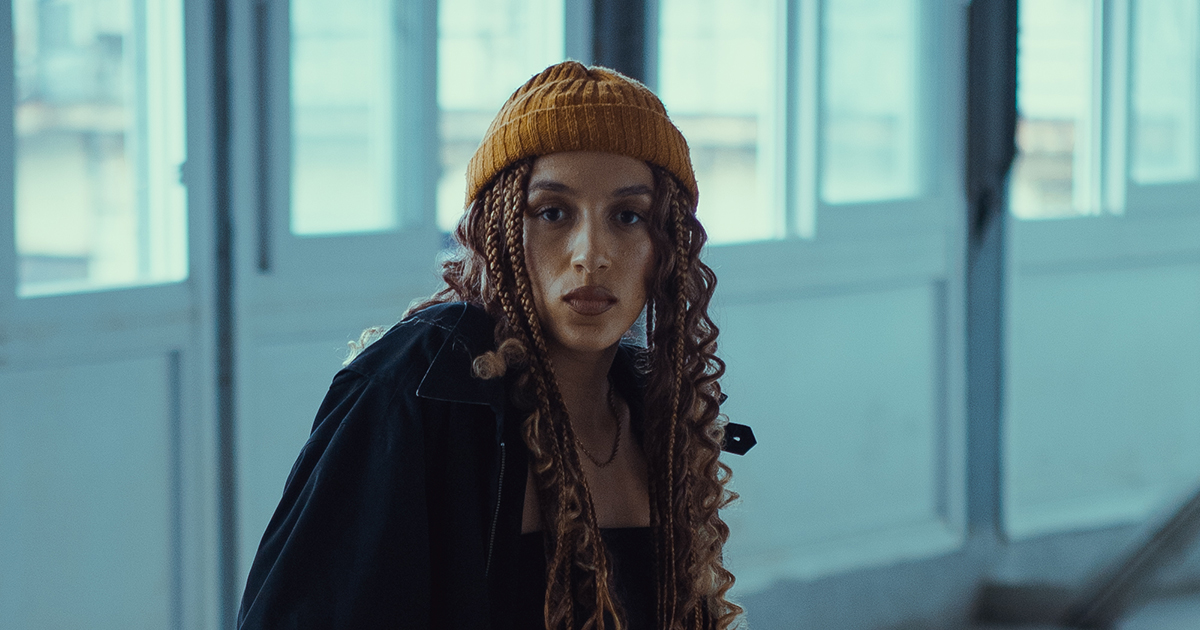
(590, 300)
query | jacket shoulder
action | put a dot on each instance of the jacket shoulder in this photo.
(431, 344)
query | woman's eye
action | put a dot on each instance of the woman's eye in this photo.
(550, 213)
(628, 217)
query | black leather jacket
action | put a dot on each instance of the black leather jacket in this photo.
(404, 507)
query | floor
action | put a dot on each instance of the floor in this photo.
(1176, 613)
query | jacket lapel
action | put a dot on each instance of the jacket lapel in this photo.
(450, 376)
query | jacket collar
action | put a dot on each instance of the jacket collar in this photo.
(450, 376)
(471, 333)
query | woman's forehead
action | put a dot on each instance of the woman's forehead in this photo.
(591, 171)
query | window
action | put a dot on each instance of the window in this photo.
(1165, 84)
(343, 82)
(99, 122)
(812, 124)
(486, 48)
(1108, 98)
(1054, 172)
(757, 110)
(870, 100)
(718, 70)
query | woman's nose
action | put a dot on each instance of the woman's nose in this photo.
(591, 246)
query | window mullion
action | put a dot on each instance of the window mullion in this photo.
(1116, 106)
(620, 35)
(8, 243)
(805, 114)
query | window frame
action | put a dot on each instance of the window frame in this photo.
(865, 246)
(1132, 222)
(147, 144)
(286, 263)
(1133, 226)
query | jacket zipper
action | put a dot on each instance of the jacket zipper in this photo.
(495, 517)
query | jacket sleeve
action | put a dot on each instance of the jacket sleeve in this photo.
(348, 546)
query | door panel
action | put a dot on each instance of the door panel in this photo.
(90, 458)
(844, 393)
(1103, 408)
(290, 379)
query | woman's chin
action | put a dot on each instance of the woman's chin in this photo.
(588, 338)
(587, 342)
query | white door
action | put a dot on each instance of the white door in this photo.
(333, 192)
(1102, 420)
(827, 139)
(106, 487)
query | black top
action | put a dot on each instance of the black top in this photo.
(631, 550)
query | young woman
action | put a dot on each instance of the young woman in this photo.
(511, 455)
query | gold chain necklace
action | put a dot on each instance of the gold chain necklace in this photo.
(612, 406)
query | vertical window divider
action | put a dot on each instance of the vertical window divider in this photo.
(1115, 156)
(141, 137)
(990, 129)
(262, 137)
(615, 38)
(804, 111)
(777, 136)
(650, 11)
(9, 264)
(224, 365)
(577, 30)
(416, 144)
(1095, 132)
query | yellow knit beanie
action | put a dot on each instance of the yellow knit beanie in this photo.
(573, 107)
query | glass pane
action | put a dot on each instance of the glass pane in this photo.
(717, 70)
(99, 121)
(486, 49)
(1055, 153)
(870, 100)
(342, 136)
(1165, 80)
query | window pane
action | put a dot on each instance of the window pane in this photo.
(717, 69)
(1164, 91)
(1052, 173)
(342, 135)
(486, 49)
(99, 144)
(870, 100)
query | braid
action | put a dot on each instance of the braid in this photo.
(572, 511)
(673, 478)
(681, 433)
(493, 218)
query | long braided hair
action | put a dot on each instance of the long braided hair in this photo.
(682, 433)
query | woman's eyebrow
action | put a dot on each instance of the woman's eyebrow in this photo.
(632, 191)
(549, 186)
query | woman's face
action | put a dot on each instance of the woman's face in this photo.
(587, 246)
